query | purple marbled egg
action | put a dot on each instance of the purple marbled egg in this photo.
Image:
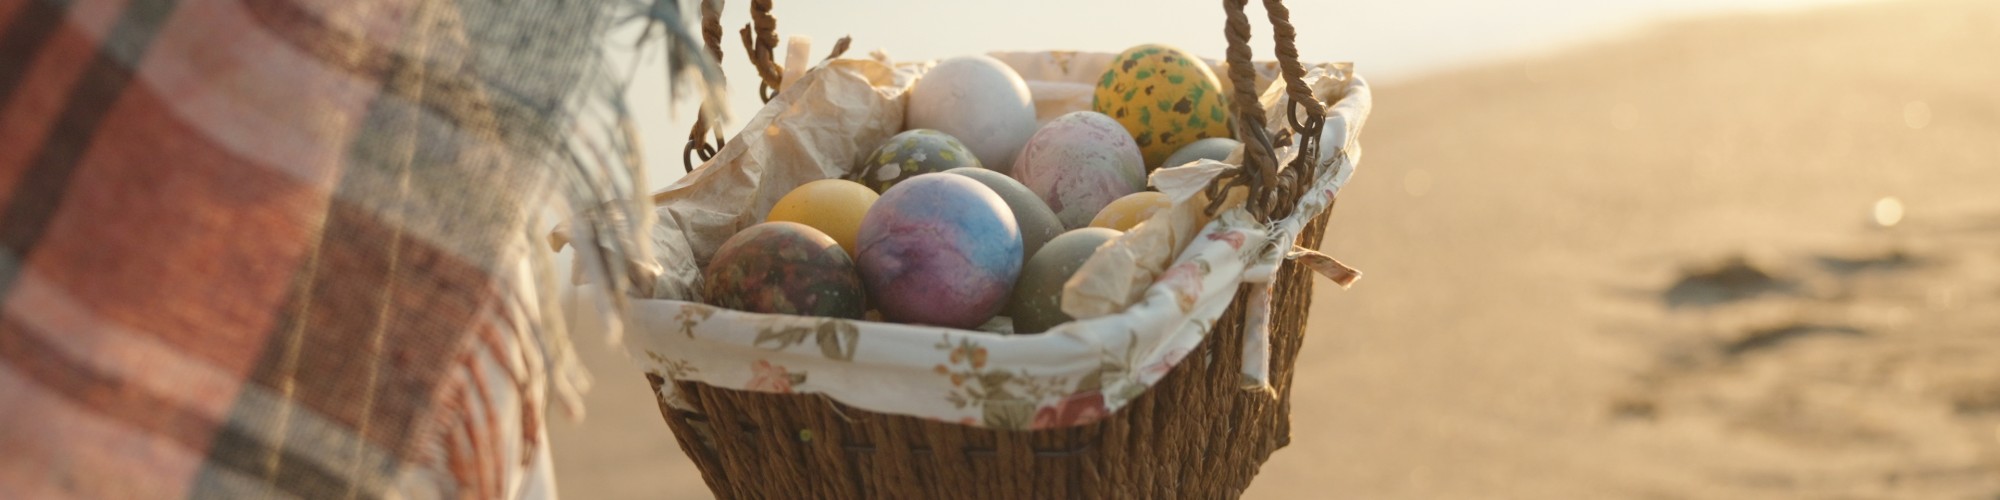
(1080, 162)
(939, 249)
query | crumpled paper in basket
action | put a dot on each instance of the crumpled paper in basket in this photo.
(814, 129)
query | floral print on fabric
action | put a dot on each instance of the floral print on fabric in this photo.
(1077, 409)
(1184, 281)
(1005, 398)
(768, 377)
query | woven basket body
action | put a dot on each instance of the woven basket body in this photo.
(1194, 435)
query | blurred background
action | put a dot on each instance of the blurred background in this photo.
(1615, 249)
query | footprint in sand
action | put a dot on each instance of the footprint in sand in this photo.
(1770, 337)
(1788, 357)
(1732, 279)
(1892, 260)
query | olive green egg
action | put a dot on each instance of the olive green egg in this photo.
(1213, 148)
(1036, 305)
(1038, 223)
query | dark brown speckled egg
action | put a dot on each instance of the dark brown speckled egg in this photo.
(784, 268)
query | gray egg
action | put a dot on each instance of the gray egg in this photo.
(1213, 148)
(1036, 305)
(1038, 223)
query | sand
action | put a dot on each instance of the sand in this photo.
(1645, 268)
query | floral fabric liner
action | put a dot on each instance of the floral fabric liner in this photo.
(1074, 374)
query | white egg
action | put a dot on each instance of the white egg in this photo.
(979, 100)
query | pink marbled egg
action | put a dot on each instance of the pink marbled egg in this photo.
(1080, 162)
(939, 249)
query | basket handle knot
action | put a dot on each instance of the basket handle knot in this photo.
(1256, 366)
(1273, 189)
(1319, 263)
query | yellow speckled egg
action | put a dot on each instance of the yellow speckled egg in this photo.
(1165, 97)
(1131, 210)
(833, 206)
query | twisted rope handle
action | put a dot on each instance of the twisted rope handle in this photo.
(760, 43)
(1272, 191)
(711, 37)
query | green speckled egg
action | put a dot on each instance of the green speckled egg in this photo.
(1165, 97)
(1036, 304)
(784, 268)
(912, 153)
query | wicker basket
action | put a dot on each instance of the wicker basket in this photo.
(787, 446)
(1195, 434)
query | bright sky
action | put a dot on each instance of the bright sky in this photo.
(1387, 40)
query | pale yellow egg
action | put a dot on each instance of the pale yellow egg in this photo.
(833, 206)
(1130, 210)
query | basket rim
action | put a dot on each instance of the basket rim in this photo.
(662, 323)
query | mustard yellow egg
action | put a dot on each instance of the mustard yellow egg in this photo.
(1165, 97)
(1130, 210)
(833, 206)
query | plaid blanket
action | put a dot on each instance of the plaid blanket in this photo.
(281, 248)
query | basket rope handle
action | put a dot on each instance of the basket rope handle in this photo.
(1272, 191)
(760, 43)
(711, 37)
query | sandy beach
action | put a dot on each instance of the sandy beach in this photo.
(1654, 267)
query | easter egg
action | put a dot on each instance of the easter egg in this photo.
(939, 249)
(1213, 148)
(1131, 210)
(1078, 163)
(784, 268)
(979, 100)
(912, 153)
(1037, 302)
(1038, 223)
(833, 206)
(1165, 97)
